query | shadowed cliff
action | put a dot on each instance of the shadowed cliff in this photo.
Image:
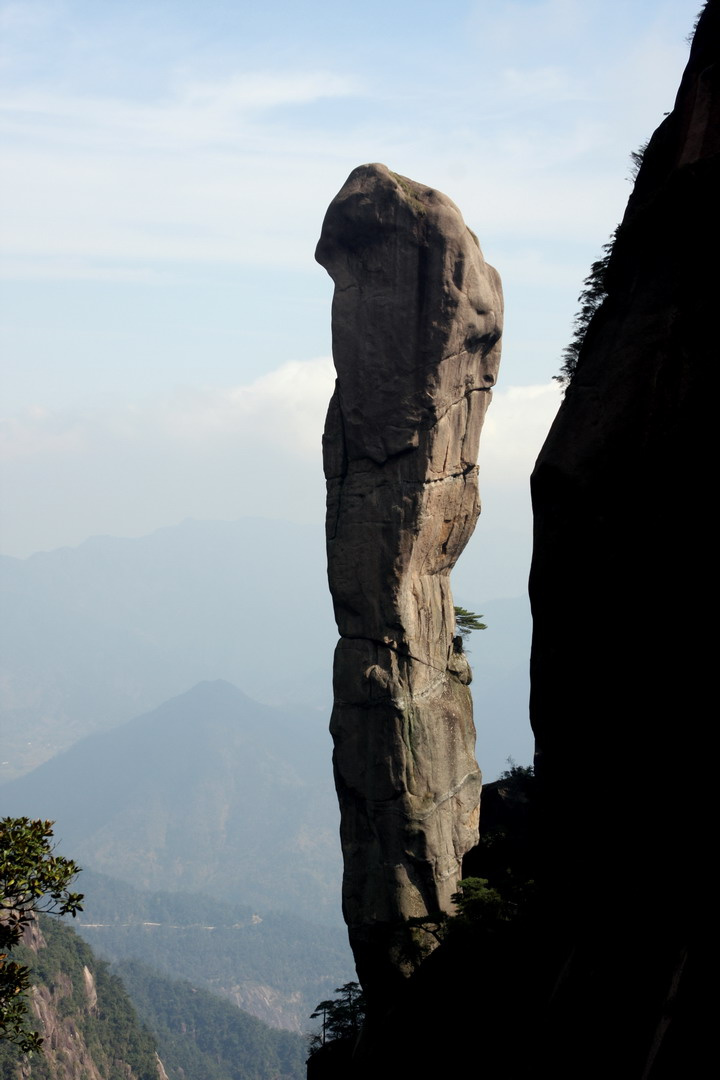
(621, 666)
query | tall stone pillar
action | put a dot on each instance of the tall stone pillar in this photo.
(416, 321)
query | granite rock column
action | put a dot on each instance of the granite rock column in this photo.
(416, 322)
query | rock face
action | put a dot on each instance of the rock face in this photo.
(416, 319)
(622, 672)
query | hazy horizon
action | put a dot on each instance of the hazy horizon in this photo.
(167, 332)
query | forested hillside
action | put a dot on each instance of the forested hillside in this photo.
(273, 965)
(132, 1023)
(201, 1037)
(83, 1013)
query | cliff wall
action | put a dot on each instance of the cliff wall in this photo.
(622, 672)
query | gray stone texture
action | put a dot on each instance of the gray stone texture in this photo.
(416, 322)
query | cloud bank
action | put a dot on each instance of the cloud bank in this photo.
(129, 467)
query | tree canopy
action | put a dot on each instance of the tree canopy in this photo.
(342, 1017)
(33, 880)
(467, 621)
(590, 300)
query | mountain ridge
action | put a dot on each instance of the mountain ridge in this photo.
(210, 791)
(96, 635)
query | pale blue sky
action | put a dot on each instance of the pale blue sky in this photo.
(167, 165)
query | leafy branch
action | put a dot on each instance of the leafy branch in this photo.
(33, 880)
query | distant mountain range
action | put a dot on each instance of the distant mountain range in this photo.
(95, 635)
(210, 793)
(223, 799)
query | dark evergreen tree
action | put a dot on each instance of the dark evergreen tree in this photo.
(467, 621)
(590, 300)
(342, 1017)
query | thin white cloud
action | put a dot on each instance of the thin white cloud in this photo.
(541, 85)
(239, 169)
(515, 428)
(196, 114)
(220, 453)
(24, 17)
(251, 91)
(173, 167)
(283, 410)
(40, 432)
(126, 469)
(526, 31)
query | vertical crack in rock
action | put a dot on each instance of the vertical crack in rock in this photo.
(416, 322)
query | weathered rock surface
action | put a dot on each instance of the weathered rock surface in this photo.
(416, 319)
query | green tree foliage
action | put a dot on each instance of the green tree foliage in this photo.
(636, 160)
(170, 932)
(594, 289)
(33, 880)
(342, 1017)
(590, 300)
(476, 902)
(506, 858)
(107, 1029)
(467, 621)
(203, 1037)
(691, 35)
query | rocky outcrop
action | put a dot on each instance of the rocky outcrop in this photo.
(622, 673)
(416, 319)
